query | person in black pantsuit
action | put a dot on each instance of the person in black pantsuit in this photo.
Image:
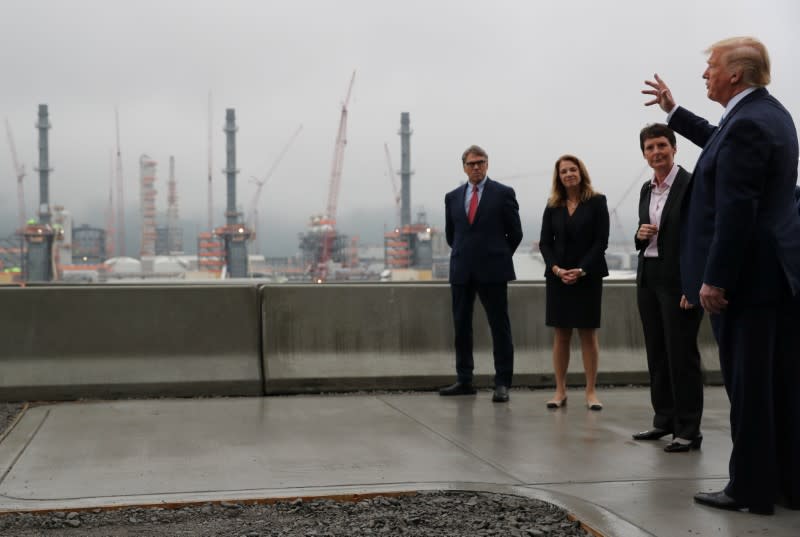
(483, 230)
(573, 242)
(670, 324)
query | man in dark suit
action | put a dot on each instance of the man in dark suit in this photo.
(483, 230)
(740, 259)
(670, 330)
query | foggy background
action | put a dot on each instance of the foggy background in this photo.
(526, 80)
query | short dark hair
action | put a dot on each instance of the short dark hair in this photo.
(474, 150)
(656, 130)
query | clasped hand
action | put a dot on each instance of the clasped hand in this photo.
(570, 276)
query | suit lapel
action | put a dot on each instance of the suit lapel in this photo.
(461, 213)
(676, 193)
(759, 93)
(644, 205)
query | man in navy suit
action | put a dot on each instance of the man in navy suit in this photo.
(740, 259)
(483, 230)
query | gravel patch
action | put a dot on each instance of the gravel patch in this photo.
(426, 514)
(8, 413)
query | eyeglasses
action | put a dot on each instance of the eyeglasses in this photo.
(475, 164)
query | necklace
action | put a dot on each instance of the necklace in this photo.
(572, 204)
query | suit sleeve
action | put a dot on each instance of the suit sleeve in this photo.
(448, 221)
(547, 240)
(512, 224)
(694, 128)
(743, 163)
(593, 258)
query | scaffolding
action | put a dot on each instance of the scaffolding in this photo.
(147, 198)
(174, 232)
(210, 253)
(410, 246)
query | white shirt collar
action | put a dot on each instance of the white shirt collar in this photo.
(669, 179)
(735, 100)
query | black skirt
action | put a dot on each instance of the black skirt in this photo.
(574, 306)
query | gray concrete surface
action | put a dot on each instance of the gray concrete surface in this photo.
(74, 342)
(378, 336)
(86, 455)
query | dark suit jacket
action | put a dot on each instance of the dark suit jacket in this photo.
(669, 231)
(482, 252)
(586, 247)
(742, 231)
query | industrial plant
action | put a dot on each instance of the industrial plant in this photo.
(51, 247)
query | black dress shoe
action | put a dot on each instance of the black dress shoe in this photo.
(500, 394)
(651, 434)
(459, 388)
(720, 500)
(678, 447)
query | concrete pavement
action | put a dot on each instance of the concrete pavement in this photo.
(150, 452)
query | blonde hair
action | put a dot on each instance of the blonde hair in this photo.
(558, 194)
(745, 53)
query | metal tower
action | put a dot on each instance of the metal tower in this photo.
(147, 198)
(39, 237)
(405, 169)
(174, 232)
(234, 232)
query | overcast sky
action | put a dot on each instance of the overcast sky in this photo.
(526, 80)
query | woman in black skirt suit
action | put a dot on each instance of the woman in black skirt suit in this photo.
(573, 243)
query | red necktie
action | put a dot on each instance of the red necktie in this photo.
(473, 204)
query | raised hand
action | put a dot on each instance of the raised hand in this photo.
(661, 93)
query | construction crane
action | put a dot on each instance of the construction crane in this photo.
(329, 221)
(252, 213)
(110, 223)
(19, 172)
(391, 178)
(120, 242)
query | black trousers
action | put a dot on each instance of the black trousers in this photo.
(673, 359)
(494, 298)
(759, 351)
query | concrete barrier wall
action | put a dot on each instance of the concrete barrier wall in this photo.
(339, 337)
(148, 340)
(71, 342)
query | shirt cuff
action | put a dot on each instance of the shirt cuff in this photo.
(669, 115)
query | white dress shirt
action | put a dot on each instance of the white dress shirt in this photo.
(658, 198)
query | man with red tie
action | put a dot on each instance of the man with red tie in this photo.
(483, 230)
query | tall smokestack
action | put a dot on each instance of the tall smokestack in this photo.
(234, 232)
(40, 265)
(231, 215)
(405, 169)
(44, 168)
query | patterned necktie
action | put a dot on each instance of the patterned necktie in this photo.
(473, 204)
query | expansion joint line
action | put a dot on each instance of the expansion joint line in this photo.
(27, 443)
(459, 445)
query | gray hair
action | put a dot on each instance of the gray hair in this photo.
(474, 150)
